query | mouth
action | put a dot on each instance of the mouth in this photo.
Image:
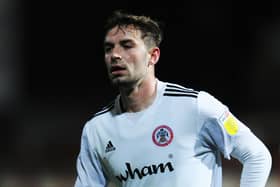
(116, 69)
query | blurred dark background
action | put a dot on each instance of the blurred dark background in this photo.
(53, 79)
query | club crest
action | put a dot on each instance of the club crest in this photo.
(162, 135)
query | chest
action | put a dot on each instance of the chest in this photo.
(148, 143)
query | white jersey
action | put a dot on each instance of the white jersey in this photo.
(176, 142)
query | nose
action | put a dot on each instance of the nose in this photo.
(116, 55)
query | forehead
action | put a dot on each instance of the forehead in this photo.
(128, 32)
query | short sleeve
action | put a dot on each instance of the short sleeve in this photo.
(220, 127)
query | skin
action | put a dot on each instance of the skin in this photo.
(131, 64)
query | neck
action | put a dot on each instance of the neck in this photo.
(140, 96)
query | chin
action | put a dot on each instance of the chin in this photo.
(119, 82)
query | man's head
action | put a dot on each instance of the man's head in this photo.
(131, 47)
(151, 32)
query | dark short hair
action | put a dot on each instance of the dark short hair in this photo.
(149, 28)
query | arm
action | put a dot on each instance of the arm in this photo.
(231, 137)
(88, 166)
(256, 160)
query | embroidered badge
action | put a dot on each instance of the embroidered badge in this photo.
(162, 135)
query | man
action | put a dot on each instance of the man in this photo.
(158, 133)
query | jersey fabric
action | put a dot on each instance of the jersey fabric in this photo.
(177, 141)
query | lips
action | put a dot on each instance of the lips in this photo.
(116, 69)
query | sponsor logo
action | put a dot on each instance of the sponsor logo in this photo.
(145, 171)
(162, 135)
(110, 147)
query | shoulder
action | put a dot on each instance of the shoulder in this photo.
(209, 106)
(103, 113)
(105, 109)
(178, 91)
(206, 103)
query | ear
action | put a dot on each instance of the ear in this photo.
(155, 54)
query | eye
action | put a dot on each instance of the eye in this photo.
(127, 46)
(108, 49)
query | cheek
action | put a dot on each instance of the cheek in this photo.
(107, 60)
(129, 58)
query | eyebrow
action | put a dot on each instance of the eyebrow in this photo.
(127, 41)
(106, 43)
